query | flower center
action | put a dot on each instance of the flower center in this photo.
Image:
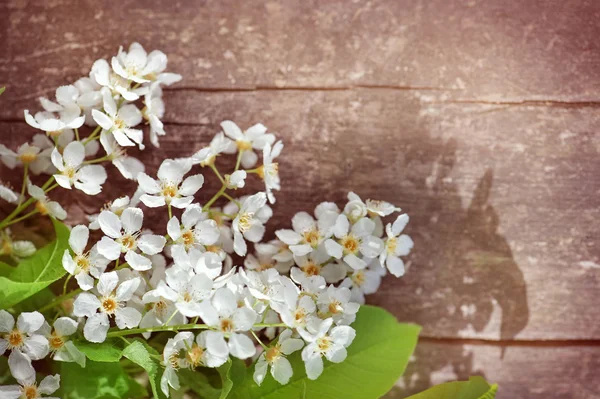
(119, 124)
(15, 339)
(56, 342)
(226, 325)
(41, 207)
(300, 315)
(213, 248)
(245, 221)
(54, 133)
(350, 244)
(358, 278)
(30, 392)
(273, 354)
(187, 297)
(174, 361)
(265, 266)
(194, 356)
(169, 190)
(243, 145)
(335, 307)
(27, 157)
(83, 263)
(109, 305)
(188, 238)
(312, 237)
(127, 242)
(324, 343)
(392, 243)
(310, 269)
(69, 172)
(160, 308)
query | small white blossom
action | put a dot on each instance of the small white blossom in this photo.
(16, 249)
(8, 195)
(27, 387)
(322, 342)
(246, 225)
(236, 180)
(171, 188)
(102, 74)
(123, 236)
(186, 289)
(111, 301)
(120, 121)
(354, 242)
(43, 205)
(52, 125)
(58, 338)
(275, 358)
(87, 178)
(307, 234)
(396, 245)
(117, 207)
(335, 302)
(137, 65)
(255, 138)
(362, 282)
(193, 232)
(129, 166)
(219, 144)
(85, 264)
(153, 112)
(36, 158)
(269, 171)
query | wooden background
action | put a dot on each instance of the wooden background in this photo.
(479, 118)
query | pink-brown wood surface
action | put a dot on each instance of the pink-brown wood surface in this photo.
(479, 118)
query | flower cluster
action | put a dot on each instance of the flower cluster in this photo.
(210, 268)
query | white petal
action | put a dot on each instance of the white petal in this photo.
(288, 236)
(152, 201)
(151, 244)
(85, 304)
(282, 370)
(333, 249)
(107, 283)
(96, 328)
(260, 370)
(21, 368)
(244, 318)
(241, 346)
(29, 322)
(74, 154)
(109, 248)
(127, 288)
(78, 238)
(215, 343)
(148, 184)
(7, 321)
(395, 265)
(110, 224)
(132, 219)
(314, 367)
(137, 261)
(127, 318)
(85, 281)
(50, 384)
(191, 185)
(404, 245)
(400, 223)
(36, 347)
(65, 326)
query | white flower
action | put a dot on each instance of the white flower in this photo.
(266, 258)
(356, 208)
(24, 342)
(58, 338)
(27, 387)
(16, 249)
(117, 207)
(317, 264)
(186, 289)
(269, 171)
(170, 188)
(153, 111)
(236, 180)
(396, 245)
(255, 138)
(137, 65)
(353, 242)
(296, 310)
(160, 312)
(84, 264)
(124, 237)
(264, 285)
(307, 234)
(87, 178)
(110, 302)
(219, 144)
(194, 260)
(102, 74)
(362, 282)
(227, 318)
(322, 342)
(8, 195)
(275, 357)
(43, 205)
(335, 302)
(129, 167)
(193, 232)
(67, 105)
(246, 225)
(36, 158)
(120, 121)
(52, 125)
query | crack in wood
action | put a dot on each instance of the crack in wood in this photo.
(521, 103)
(511, 342)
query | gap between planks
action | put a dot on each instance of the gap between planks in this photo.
(540, 343)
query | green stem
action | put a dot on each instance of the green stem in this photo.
(239, 159)
(21, 218)
(258, 340)
(214, 198)
(52, 187)
(214, 169)
(25, 172)
(170, 211)
(66, 283)
(230, 198)
(93, 135)
(77, 134)
(171, 318)
(60, 299)
(97, 160)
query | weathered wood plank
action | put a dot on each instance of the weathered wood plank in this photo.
(521, 371)
(503, 200)
(489, 50)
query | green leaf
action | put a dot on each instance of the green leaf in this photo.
(97, 381)
(200, 382)
(141, 353)
(475, 388)
(37, 272)
(109, 351)
(376, 359)
(35, 302)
